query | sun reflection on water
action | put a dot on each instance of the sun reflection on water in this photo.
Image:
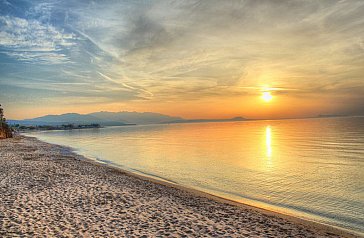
(268, 141)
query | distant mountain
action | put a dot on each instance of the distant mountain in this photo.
(68, 118)
(112, 119)
(140, 118)
(331, 115)
(102, 118)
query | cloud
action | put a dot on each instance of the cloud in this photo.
(120, 83)
(30, 40)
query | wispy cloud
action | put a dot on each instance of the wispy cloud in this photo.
(29, 40)
(120, 83)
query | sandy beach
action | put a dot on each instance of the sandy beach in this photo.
(48, 191)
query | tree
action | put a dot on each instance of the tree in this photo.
(2, 119)
(5, 130)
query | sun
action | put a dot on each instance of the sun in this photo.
(267, 97)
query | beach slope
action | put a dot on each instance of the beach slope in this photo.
(47, 190)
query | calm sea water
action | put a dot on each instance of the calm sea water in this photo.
(312, 168)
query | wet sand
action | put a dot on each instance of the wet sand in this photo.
(48, 191)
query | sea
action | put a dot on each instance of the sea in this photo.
(308, 168)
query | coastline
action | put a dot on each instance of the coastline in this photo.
(306, 222)
(227, 216)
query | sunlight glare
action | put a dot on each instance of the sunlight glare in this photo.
(268, 141)
(267, 96)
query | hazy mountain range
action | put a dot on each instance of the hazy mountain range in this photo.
(112, 119)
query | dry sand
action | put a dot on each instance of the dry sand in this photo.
(48, 191)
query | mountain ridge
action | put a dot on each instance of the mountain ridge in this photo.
(121, 118)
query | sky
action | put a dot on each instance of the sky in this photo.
(195, 59)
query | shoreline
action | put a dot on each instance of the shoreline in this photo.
(311, 223)
(266, 210)
(295, 223)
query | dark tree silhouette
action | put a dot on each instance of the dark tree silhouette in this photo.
(5, 130)
(1, 117)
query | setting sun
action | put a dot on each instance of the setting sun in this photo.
(267, 97)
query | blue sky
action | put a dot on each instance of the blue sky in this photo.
(189, 58)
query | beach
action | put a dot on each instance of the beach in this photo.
(47, 190)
